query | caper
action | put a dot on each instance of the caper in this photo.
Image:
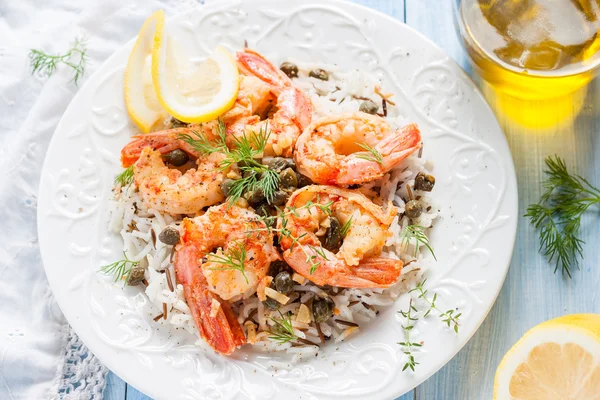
(322, 309)
(319, 74)
(424, 182)
(369, 107)
(169, 236)
(290, 69)
(255, 197)
(288, 178)
(276, 266)
(263, 210)
(283, 282)
(333, 235)
(176, 157)
(279, 163)
(279, 198)
(303, 180)
(226, 186)
(271, 304)
(413, 209)
(135, 276)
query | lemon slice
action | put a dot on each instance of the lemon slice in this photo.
(194, 93)
(556, 360)
(142, 104)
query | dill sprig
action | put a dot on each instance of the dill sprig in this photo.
(372, 154)
(416, 233)
(448, 316)
(557, 216)
(119, 269)
(244, 152)
(346, 227)
(233, 260)
(407, 344)
(76, 58)
(282, 331)
(125, 178)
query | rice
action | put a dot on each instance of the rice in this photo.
(343, 92)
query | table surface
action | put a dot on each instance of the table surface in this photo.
(531, 293)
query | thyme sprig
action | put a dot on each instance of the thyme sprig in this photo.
(411, 319)
(233, 260)
(557, 216)
(125, 178)
(119, 269)
(244, 152)
(372, 154)
(416, 233)
(75, 58)
(346, 227)
(282, 331)
(448, 316)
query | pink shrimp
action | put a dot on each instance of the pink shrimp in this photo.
(358, 263)
(293, 108)
(353, 148)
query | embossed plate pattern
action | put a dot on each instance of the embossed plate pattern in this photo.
(473, 241)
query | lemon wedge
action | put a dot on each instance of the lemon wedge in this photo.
(142, 104)
(193, 93)
(557, 359)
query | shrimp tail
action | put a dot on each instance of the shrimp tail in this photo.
(395, 148)
(252, 63)
(382, 272)
(222, 332)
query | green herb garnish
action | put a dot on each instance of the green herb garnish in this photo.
(233, 260)
(125, 178)
(417, 233)
(558, 214)
(372, 155)
(346, 227)
(283, 331)
(119, 269)
(448, 317)
(244, 152)
(407, 344)
(76, 58)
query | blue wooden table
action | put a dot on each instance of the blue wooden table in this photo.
(531, 293)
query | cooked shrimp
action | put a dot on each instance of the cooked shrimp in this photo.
(262, 85)
(358, 263)
(220, 329)
(237, 235)
(329, 151)
(168, 189)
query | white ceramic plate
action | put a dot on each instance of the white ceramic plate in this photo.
(473, 241)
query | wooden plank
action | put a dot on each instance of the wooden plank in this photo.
(115, 387)
(134, 394)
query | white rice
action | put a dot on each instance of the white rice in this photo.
(339, 94)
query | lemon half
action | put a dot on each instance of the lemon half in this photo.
(142, 104)
(556, 360)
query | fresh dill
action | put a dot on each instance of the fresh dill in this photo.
(416, 234)
(346, 227)
(76, 58)
(233, 260)
(244, 152)
(449, 316)
(372, 154)
(119, 269)
(282, 331)
(557, 216)
(125, 178)
(411, 319)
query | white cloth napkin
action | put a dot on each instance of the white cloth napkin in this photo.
(40, 358)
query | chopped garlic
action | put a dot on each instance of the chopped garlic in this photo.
(260, 289)
(275, 295)
(303, 314)
(298, 278)
(215, 306)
